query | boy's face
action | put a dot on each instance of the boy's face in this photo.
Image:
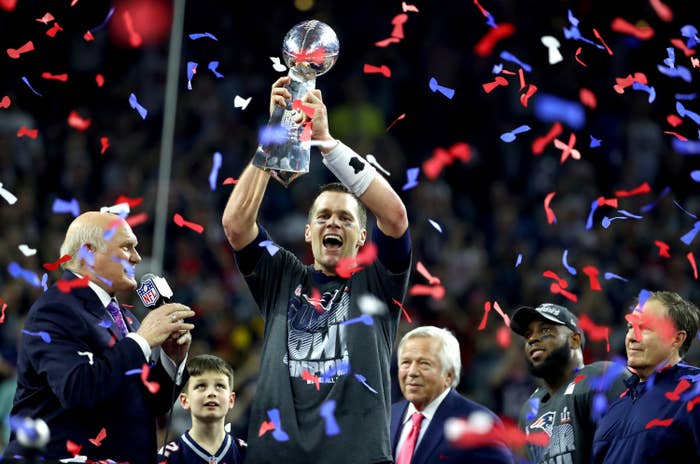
(208, 396)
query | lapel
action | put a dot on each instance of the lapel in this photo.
(435, 433)
(396, 420)
(93, 305)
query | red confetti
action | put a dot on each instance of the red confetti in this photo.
(567, 149)
(503, 337)
(540, 143)
(691, 259)
(487, 309)
(405, 313)
(485, 45)
(525, 97)
(46, 19)
(53, 266)
(663, 248)
(132, 202)
(54, 30)
(680, 137)
(682, 386)
(265, 427)
(406, 7)
(73, 448)
(383, 69)
(97, 441)
(424, 272)
(674, 120)
(643, 188)
(308, 376)
(504, 316)
(318, 56)
(350, 265)
(577, 54)
(691, 403)
(5, 102)
(678, 43)
(152, 387)
(521, 77)
(595, 332)
(398, 21)
(659, 423)
(592, 274)
(78, 122)
(8, 5)
(67, 285)
(588, 98)
(135, 39)
(607, 201)
(621, 83)
(556, 288)
(2, 310)
(181, 222)
(15, 53)
(579, 378)
(437, 291)
(508, 434)
(498, 81)
(88, 37)
(395, 121)
(229, 181)
(55, 77)
(31, 133)
(386, 42)
(662, 11)
(551, 217)
(624, 27)
(104, 142)
(599, 37)
(100, 80)
(298, 105)
(137, 219)
(662, 325)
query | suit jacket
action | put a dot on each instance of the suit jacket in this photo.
(77, 381)
(433, 448)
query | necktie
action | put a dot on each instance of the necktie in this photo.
(113, 309)
(406, 452)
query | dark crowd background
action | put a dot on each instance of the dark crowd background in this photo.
(492, 242)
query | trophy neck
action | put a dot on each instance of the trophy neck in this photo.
(309, 78)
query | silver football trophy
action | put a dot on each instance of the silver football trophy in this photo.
(309, 49)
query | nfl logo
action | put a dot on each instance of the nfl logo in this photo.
(148, 293)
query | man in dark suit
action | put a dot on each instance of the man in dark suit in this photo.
(82, 357)
(429, 368)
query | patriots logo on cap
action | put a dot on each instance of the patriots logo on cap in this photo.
(544, 422)
(148, 293)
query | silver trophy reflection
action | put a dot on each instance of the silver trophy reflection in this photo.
(309, 49)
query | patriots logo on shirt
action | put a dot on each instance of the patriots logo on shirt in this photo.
(544, 422)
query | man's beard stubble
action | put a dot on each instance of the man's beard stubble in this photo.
(554, 366)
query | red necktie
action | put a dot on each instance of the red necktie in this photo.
(406, 452)
(116, 313)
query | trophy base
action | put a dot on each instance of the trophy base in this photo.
(284, 177)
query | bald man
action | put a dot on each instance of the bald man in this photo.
(81, 355)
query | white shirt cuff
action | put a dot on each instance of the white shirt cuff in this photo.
(174, 372)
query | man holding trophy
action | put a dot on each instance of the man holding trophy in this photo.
(324, 385)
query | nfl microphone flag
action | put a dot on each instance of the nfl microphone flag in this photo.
(154, 290)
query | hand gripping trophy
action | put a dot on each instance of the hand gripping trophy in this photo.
(310, 49)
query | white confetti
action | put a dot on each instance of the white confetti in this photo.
(436, 225)
(240, 102)
(27, 250)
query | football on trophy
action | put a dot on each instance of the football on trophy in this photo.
(310, 48)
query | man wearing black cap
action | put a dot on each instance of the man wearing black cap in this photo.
(574, 395)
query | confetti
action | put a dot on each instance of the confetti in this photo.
(18, 271)
(484, 319)
(216, 165)
(406, 7)
(373, 161)
(15, 53)
(551, 217)
(365, 319)
(269, 246)
(25, 132)
(435, 225)
(45, 337)
(102, 434)
(539, 144)
(371, 305)
(26, 81)
(405, 313)
(104, 142)
(191, 71)
(412, 178)
(66, 286)
(689, 236)
(277, 65)
(564, 260)
(201, 35)
(26, 250)
(152, 387)
(5, 102)
(213, 66)
(435, 87)
(327, 411)
(437, 291)
(53, 266)
(507, 56)
(275, 421)
(552, 44)
(55, 77)
(363, 380)
(78, 122)
(135, 39)
(240, 102)
(610, 275)
(89, 354)
(549, 108)
(511, 136)
(567, 149)
(54, 30)
(691, 259)
(7, 195)
(2, 311)
(390, 125)
(63, 206)
(432, 280)
(371, 69)
(518, 260)
(484, 47)
(135, 104)
(309, 377)
(592, 274)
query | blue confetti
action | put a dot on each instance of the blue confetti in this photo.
(684, 112)
(273, 135)
(648, 207)
(363, 380)
(216, 165)
(512, 58)
(201, 35)
(519, 260)
(534, 407)
(86, 254)
(695, 175)
(134, 371)
(212, 67)
(45, 337)
(412, 176)
(549, 108)
(135, 105)
(608, 220)
(688, 237)
(18, 271)
(564, 260)
(610, 275)
(589, 221)
(26, 81)
(435, 87)
(104, 23)
(269, 246)
(44, 281)
(337, 369)
(366, 319)
(278, 434)
(62, 206)
(191, 70)
(595, 143)
(327, 411)
(600, 405)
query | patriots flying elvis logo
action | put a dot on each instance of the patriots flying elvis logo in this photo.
(545, 422)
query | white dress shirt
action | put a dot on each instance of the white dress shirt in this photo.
(428, 414)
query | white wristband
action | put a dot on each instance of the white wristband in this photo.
(352, 170)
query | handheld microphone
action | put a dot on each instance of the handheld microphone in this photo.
(154, 291)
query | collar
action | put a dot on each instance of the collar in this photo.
(104, 297)
(202, 453)
(429, 411)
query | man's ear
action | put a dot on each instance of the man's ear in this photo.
(363, 237)
(231, 400)
(184, 401)
(307, 233)
(575, 341)
(678, 339)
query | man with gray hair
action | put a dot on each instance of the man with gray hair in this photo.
(86, 366)
(429, 370)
